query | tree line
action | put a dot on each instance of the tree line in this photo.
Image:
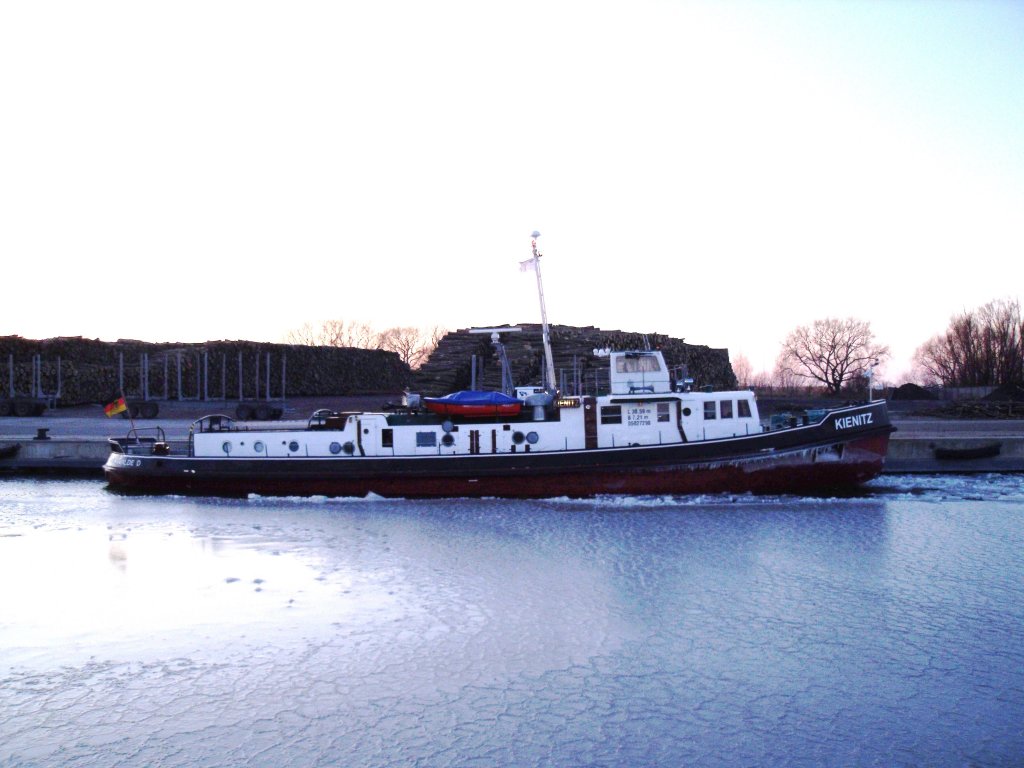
(980, 347)
(412, 345)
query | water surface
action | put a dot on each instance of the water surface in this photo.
(717, 630)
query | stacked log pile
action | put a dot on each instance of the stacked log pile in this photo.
(449, 367)
(90, 369)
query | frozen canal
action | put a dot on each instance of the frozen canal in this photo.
(881, 630)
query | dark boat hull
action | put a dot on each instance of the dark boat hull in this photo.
(826, 457)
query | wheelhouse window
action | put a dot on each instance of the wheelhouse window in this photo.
(744, 408)
(637, 364)
(710, 410)
(726, 408)
(663, 412)
(611, 414)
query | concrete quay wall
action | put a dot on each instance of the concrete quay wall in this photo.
(954, 455)
(64, 456)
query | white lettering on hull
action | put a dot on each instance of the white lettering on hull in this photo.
(858, 420)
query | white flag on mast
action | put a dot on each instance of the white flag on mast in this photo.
(526, 266)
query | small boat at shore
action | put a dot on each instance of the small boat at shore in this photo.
(647, 432)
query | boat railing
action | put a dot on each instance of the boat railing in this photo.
(797, 417)
(139, 435)
(591, 383)
(216, 422)
(325, 418)
(596, 383)
(141, 440)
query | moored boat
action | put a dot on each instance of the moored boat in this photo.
(644, 436)
(647, 433)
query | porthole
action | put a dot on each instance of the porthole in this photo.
(447, 441)
(687, 411)
(258, 446)
(348, 448)
(532, 438)
(518, 437)
(226, 446)
(293, 446)
(335, 448)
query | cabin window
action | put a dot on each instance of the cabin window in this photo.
(744, 408)
(726, 408)
(611, 414)
(663, 412)
(426, 439)
(637, 364)
(387, 438)
(710, 410)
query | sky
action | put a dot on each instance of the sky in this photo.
(721, 172)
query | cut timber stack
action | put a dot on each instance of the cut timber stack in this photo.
(89, 369)
(449, 367)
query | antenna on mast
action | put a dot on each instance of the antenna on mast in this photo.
(549, 364)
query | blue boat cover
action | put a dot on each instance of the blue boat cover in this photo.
(475, 397)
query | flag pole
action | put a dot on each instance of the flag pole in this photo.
(128, 410)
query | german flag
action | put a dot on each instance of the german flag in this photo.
(116, 407)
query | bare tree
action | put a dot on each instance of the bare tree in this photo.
(935, 362)
(413, 345)
(436, 333)
(406, 342)
(981, 347)
(742, 369)
(831, 351)
(783, 378)
(336, 333)
(306, 335)
(362, 335)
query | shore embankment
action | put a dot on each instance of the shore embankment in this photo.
(72, 440)
(929, 444)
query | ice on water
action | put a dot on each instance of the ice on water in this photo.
(714, 630)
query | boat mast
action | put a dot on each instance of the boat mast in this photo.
(549, 370)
